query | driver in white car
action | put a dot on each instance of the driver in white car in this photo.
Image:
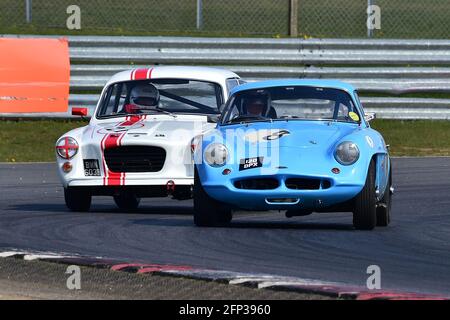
(143, 96)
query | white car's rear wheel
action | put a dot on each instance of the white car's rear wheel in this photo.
(364, 210)
(208, 212)
(127, 201)
(77, 200)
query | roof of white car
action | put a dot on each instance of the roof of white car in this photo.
(174, 72)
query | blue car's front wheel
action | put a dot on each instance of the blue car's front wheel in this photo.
(384, 207)
(365, 207)
(208, 212)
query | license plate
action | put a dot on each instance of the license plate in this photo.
(91, 168)
(250, 163)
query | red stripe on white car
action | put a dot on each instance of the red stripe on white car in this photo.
(141, 74)
(112, 140)
(130, 120)
(102, 148)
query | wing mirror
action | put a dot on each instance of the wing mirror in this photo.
(369, 116)
(83, 112)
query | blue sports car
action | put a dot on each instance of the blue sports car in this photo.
(297, 145)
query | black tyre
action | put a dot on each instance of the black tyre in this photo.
(77, 199)
(208, 212)
(384, 207)
(365, 210)
(127, 201)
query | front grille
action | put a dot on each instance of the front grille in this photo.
(257, 184)
(307, 184)
(135, 158)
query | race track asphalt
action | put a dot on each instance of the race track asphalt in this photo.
(413, 252)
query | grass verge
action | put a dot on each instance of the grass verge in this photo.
(416, 137)
(34, 140)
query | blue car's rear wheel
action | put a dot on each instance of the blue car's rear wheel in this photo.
(208, 212)
(365, 206)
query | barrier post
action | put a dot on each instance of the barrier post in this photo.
(369, 30)
(199, 14)
(293, 18)
(28, 10)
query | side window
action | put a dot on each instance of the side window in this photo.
(343, 111)
(116, 99)
(231, 83)
(358, 101)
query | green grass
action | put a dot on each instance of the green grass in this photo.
(29, 140)
(34, 140)
(415, 138)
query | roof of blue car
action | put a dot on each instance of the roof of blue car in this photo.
(295, 82)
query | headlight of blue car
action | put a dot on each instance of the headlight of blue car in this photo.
(347, 153)
(216, 154)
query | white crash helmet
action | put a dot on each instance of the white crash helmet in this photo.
(145, 95)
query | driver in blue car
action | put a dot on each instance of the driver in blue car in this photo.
(255, 106)
(259, 106)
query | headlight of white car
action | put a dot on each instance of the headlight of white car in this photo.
(216, 154)
(67, 147)
(347, 153)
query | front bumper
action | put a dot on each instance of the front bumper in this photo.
(283, 198)
(129, 182)
(340, 187)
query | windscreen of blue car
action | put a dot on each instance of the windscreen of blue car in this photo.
(291, 102)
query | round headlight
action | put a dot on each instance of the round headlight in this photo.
(216, 154)
(347, 153)
(67, 147)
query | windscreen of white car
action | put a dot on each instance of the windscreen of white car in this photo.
(291, 103)
(175, 96)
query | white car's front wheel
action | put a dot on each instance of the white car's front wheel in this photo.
(77, 199)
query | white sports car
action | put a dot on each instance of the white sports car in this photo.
(138, 141)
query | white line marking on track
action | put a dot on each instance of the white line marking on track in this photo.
(30, 257)
(7, 254)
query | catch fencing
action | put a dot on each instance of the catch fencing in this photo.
(412, 19)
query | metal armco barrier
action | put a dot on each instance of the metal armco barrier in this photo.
(378, 66)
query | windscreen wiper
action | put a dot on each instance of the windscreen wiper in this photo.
(157, 109)
(246, 118)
